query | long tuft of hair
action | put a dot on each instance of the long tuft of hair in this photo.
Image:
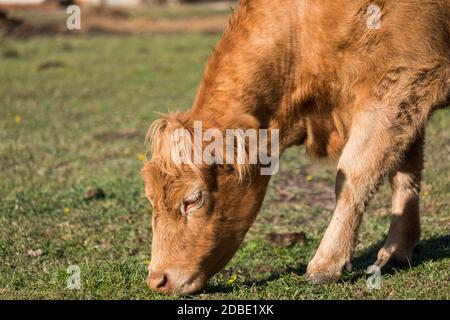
(162, 140)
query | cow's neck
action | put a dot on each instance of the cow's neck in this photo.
(251, 80)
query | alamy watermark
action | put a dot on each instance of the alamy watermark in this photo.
(374, 17)
(373, 21)
(73, 21)
(74, 280)
(235, 146)
(374, 281)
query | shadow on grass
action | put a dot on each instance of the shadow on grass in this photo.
(431, 249)
(274, 275)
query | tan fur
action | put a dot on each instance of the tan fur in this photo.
(313, 70)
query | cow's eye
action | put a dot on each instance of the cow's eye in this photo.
(193, 201)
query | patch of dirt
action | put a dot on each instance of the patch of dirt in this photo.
(24, 30)
(286, 239)
(47, 5)
(114, 136)
(15, 27)
(115, 13)
(11, 54)
(51, 64)
(94, 194)
(110, 20)
(7, 23)
(295, 188)
(102, 24)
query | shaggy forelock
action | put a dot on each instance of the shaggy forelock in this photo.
(162, 143)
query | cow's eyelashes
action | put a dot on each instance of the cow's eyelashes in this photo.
(192, 202)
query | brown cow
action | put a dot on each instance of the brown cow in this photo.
(329, 75)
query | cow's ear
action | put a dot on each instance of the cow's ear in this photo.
(184, 118)
(150, 177)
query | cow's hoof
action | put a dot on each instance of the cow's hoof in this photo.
(323, 277)
(321, 273)
(393, 258)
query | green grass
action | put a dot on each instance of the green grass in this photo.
(82, 125)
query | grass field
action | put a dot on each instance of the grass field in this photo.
(73, 116)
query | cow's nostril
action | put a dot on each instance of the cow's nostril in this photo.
(157, 280)
(162, 281)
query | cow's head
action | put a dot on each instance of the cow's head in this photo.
(201, 212)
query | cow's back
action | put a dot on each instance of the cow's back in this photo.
(354, 60)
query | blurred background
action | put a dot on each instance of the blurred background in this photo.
(29, 17)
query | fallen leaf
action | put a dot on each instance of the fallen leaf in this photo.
(286, 239)
(18, 119)
(94, 194)
(34, 253)
(141, 157)
(309, 178)
(66, 210)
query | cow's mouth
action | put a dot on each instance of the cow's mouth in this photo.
(173, 281)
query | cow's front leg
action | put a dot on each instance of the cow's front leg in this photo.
(337, 245)
(373, 149)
